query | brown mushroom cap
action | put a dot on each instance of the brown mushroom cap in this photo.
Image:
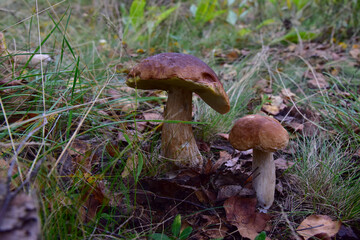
(258, 132)
(168, 70)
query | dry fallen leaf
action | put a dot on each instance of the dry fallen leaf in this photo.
(355, 52)
(223, 135)
(79, 147)
(213, 227)
(124, 104)
(233, 190)
(287, 94)
(316, 225)
(275, 105)
(148, 116)
(316, 80)
(296, 126)
(93, 197)
(224, 157)
(241, 212)
(132, 135)
(4, 166)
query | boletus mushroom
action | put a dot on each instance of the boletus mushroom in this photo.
(180, 75)
(22, 57)
(264, 135)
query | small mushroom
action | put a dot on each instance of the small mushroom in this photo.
(180, 75)
(22, 57)
(264, 135)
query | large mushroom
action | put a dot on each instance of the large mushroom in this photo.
(264, 135)
(180, 75)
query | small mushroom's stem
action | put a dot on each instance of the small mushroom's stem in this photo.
(264, 177)
(177, 140)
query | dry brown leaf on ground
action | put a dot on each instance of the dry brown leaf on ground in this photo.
(207, 227)
(138, 126)
(300, 120)
(123, 96)
(233, 190)
(79, 147)
(274, 106)
(93, 198)
(241, 212)
(131, 135)
(83, 156)
(229, 75)
(263, 86)
(287, 94)
(316, 80)
(212, 227)
(131, 164)
(224, 157)
(318, 225)
(296, 126)
(4, 168)
(223, 135)
(355, 52)
(149, 116)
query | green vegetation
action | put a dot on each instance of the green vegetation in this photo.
(81, 138)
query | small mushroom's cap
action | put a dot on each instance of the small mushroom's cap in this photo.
(259, 132)
(176, 70)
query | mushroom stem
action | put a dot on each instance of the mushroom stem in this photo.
(177, 139)
(264, 177)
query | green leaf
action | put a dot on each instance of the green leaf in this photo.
(165, 14)
(175, 227)
(137, 12)
(300, 3)
(244, 31)
(185, 233)
(159, 236)
(140, 164)
(261, 236)
(202, 10)
(206, 11)
(265, 23)
(294, 36)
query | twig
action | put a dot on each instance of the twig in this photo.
(303, 229)
(7, 10)
(6, 145)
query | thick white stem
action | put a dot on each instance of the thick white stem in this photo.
(177, 139)
(264, 177)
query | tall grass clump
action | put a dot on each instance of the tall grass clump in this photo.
(47, 109)
(240, 91)
(339, 106)
(328, 177)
